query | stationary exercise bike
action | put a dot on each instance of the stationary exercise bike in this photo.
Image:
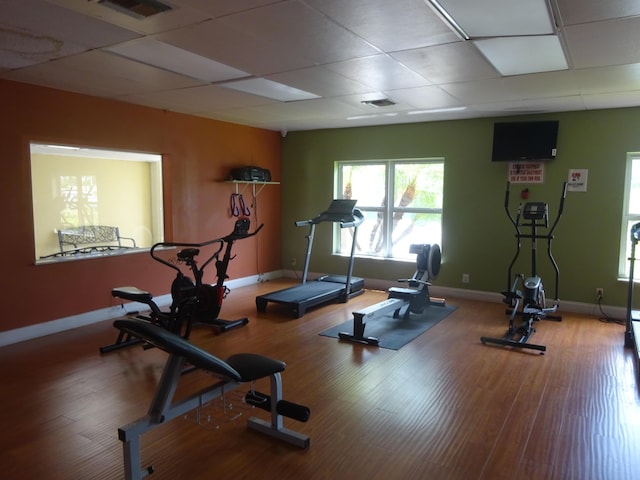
(402, 301)
(528, 305)
(192, 301)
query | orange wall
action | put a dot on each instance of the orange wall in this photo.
(198, 154)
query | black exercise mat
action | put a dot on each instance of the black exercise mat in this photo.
(395, 333)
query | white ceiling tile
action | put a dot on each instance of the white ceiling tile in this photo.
(172, 19)
(221, 8)
(431, 97)
(621, 78)
(380, 72)
(28, 36)
(197, 100)
(377, 22)
(585, 11)
(604, 43)
(320, 80)
(452, 62)
(612, 100)
(100, 74)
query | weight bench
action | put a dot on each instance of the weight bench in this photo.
(230, 374)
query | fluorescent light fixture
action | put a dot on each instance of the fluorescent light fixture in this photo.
(439, 9)
(270, 89)
(174, 59)
(495, 18)
(516, 36)
(361, 117)
(521, 55)
(63, 147)
(436, 110)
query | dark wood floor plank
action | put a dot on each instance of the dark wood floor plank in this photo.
(443, 407)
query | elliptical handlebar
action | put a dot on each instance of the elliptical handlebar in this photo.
(560, 208)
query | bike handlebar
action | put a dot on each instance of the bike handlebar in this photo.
(240, 231)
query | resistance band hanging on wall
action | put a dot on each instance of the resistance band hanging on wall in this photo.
(238, 207)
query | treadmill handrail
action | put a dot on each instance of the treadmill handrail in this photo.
(347, 221)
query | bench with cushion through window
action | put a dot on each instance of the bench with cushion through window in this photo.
(91, 239)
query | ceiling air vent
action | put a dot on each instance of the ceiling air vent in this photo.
(383, 102)
(136, 8)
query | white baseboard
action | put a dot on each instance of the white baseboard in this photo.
(83, 319)
(55, 326)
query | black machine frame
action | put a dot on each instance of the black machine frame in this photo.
(228, 375)
(529, 306)
(327, 288)
(192, 301)
(402, 302)
(632, 324)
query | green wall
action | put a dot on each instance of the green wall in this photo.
(477, 236)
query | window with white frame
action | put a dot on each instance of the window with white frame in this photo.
(401, 201)
(631, 211)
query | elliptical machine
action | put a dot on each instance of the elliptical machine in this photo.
(529, 304)
(192, 301)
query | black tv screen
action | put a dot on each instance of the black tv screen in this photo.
(519, 141)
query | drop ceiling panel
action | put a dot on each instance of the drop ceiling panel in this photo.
(161, 22)
(377, 22)
(453, 62)
(100, 74)
(584, 11)
(282, 37)
(381, 72)
(321, 81)
(523, 87)
(521, 107)
(31, 37)
(221, 8)
(612, 100)
(431, 97)
(610, 42)
(622, 78)
(197, 100)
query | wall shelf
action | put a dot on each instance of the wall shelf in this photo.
(254, 185)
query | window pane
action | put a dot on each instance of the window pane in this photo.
(364, 183)
(418, 185)
(634, 188)
(413, 213)
(369, 240)
(415, 228)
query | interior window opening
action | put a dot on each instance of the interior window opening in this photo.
(92, 201)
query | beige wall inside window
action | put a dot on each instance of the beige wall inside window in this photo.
(124, 193)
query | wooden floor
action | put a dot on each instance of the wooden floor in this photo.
(443, 407)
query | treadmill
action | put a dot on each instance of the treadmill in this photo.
(328, 288)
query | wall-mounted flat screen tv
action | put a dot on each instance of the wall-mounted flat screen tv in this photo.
(521, 141)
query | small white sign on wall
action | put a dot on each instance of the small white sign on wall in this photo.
(577, 181)
(526, 172)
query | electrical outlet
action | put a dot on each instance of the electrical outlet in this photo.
(466, 278)
(599, 293)
(294, 262)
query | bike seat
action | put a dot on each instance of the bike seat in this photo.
(132, 293)
(187, 254)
